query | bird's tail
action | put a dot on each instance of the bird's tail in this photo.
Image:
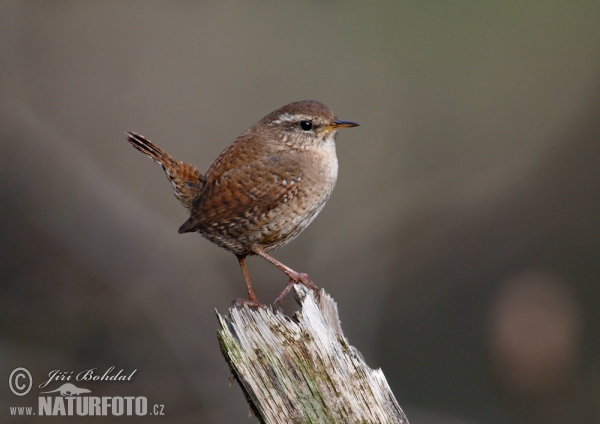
(188, 182)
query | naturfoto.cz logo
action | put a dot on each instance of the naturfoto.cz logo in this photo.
(71, 400)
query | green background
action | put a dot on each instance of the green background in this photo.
(462, 241)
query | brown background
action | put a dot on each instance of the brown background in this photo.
(462, 241)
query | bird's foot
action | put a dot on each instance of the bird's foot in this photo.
(240, 301)
(297, 277)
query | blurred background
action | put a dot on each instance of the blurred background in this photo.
(461, 243)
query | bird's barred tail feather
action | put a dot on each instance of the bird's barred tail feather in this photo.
(188, 182)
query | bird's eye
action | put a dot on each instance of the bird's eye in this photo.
(306, 125)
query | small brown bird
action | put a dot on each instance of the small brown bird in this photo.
(262, 190)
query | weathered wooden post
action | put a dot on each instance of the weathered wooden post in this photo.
(302, 369)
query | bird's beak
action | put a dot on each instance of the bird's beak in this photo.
(337, 124)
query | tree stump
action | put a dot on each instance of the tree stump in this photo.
(302, 369)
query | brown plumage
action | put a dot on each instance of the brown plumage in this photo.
(263, 189)
(188, 182)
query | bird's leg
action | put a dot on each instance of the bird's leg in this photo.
(251, 296)
(294, 276)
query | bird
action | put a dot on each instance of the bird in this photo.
(264, 189)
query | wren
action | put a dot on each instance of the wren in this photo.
(262, 190)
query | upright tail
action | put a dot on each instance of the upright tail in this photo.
(188, 182)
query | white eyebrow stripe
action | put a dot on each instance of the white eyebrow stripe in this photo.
(286, 117)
